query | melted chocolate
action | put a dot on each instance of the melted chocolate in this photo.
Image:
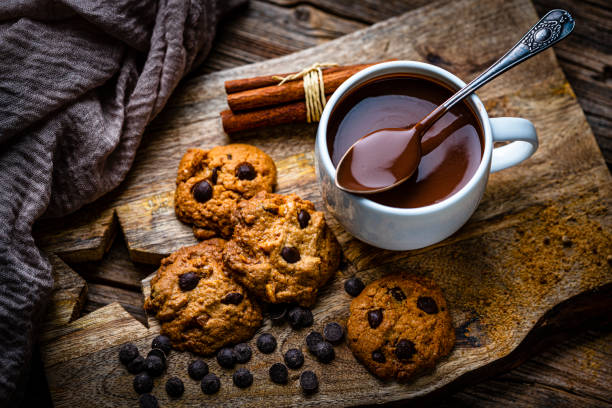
(400, 101)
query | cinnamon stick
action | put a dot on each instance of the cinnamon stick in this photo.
(244, 84)
(288, 92)
(277, 115)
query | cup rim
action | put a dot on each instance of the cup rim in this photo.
(408, 67)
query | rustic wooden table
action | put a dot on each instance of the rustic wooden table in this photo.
(575, 369)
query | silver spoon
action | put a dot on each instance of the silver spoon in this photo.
(399, 150)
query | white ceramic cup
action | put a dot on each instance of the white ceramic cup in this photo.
(412, 228)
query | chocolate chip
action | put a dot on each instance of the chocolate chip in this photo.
(290, 254)
(271, 210)
(278, 313)
(312, 340)
(245, 171)
(278, 373)
(243, 353)
(154, 365)
(215, 175)
(197, 369)
(158, 353)
(162, 342)
(567, 242)
(303, 218)
(148, 401)
(309, 381)
(427, 304)
(226, 357)
(299, 317)
(324, 352)
(375, 318)
(210, 384)
(232, 298)
(378, 356)
(404, 349)
(242, 378)
(229, 156)
(202, 191)
(333, 332)
(136, 365)
(353, 286)
(128, 352)
(188, 281)
(175, 387)
(266, 343)
(398, 294)
(143, 383)
(294, 358)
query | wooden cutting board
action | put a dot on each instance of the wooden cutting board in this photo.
(541, 236)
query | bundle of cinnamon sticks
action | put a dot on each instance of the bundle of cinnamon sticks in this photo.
(260, 101)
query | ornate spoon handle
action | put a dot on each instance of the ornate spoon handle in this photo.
(552, 28)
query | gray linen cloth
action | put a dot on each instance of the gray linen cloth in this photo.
(79, 80)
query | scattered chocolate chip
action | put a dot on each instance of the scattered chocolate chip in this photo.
(202, 191)
(353, 286)
(162, 342)
(128, 352)
(309, 382)
(229, 157)
(397, 293)
(136, 365)
(333, 332)
(567, 242)
(294, 358)
(290, 254)
(243, 353)
(175, 387)
(226, 357)
(375, 318)
(378, 356)
(158, 353)
(245, 171)
(188, 281)
(278, 313)
(148, 401)
(266, 343)
(312, 340)
(303, 218)
(278, 373)
(324, 352)
(427, 304)
(242, 378)
(154, 366)
(197, 369)
(210, 384)
(215, 175)
(143, 383)
(546, 241)
(232, 298)
(404, 349)
(609, 259)
(271, 210)
(299, 317)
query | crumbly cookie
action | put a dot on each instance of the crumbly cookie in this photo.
(282, 249)
(199, 307)
(400, 325)
(211, 182)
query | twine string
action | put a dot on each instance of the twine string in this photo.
(314, 88)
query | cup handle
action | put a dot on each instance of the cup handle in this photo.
(521, 133)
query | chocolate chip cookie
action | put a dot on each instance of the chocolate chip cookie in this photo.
(400, 325)
(211, 182)
(282, 249)
(199, 307)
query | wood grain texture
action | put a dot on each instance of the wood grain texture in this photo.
(504, 208)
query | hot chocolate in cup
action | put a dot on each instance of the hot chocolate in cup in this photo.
(430, 207)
